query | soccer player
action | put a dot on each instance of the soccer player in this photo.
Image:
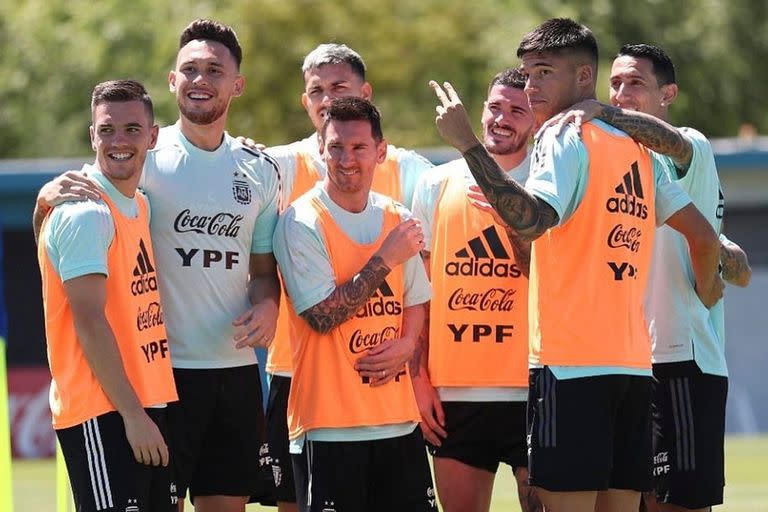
(350, 264)
(330, 71)
(590, 206)
(472, 383)
(214, 208)
(111, 370)
(690, 370)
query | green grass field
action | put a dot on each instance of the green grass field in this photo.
(746, 481)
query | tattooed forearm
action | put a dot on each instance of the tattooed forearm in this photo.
(526, 214)
(521, 249)
(653, 133)
(421, 352)
(347, 298)
(736, 269)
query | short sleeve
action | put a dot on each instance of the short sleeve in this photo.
(264, 226)
(303, 260)
(670, 197)
(559, 171)
(412, 168)
(77, 238)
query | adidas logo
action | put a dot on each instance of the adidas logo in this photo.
(632, 190)
(381, 303)
(143, 272)
(487, 246)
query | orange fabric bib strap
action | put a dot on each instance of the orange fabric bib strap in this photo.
(135, 315)
(326, 391)
(478, 335)
(588, 276)
(279, 353)
(386, 178)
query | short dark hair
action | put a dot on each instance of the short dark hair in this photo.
(510, 77)
(210, 30)
(122, 91)
(663, 68)
(355, 109)
(560, 35)
(334, 53)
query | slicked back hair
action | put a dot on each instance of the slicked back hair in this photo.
(333, 53)
(210, 30)
(354, 109)
(663, 68)
(114, 91)
(560, 36)
(510, 77)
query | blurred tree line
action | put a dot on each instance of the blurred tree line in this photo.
(52, 52)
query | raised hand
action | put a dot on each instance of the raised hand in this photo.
(577, 114)
(452, 120)
(403, 242)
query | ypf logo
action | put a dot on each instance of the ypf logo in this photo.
(488, 258)
(144, 273)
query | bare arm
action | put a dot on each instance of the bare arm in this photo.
(651, 132)
(256, 327)
(735, 264)
(704, 248)
(347, 298)
(404, 241)
(529, 216)
(87, 296)
(418, 363)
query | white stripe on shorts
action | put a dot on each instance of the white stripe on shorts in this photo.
(97, 467)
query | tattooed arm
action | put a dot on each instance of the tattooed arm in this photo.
(521, 249)
(348, 298)
(345, 300)
(525, 213)
(736, 269)
(653, 133)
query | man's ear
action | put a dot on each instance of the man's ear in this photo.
(668, 94)
(92, 132)
(172, 81)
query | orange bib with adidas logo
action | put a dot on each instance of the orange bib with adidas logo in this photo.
(478, 327)
(135, 315)
(588, 276)
(326, 391)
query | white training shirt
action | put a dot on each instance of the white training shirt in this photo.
(681, 327)
(210, 211)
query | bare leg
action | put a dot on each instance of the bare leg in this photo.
(617, 500)
(529, 500)
(287, 506)
(578, 501)
(462, 488)
(220, 503)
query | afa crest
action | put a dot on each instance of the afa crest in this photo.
(241, 191)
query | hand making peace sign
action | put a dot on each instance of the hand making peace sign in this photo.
(452, 121)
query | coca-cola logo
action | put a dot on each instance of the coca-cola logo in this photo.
(220, 224)
(624, 238)
(31, 432)
(494, 299)
(150, 317)
(362, 341)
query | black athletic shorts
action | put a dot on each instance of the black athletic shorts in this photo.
(104, 473)
(483, 434)
(590, 433)
(688, 435)
(216, 432)
(371, 476)
(278, 462)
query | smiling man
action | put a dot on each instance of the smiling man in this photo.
(214, 208)
(111, 371)
(590, 355)
(471, 376)
(349, 259)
